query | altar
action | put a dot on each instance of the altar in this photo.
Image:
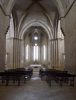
(36, 67)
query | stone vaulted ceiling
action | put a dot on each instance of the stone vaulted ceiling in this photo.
(28, 11)
(25, 11)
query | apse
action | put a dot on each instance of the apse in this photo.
(35, 45)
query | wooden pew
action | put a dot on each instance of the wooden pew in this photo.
(60, 77)
(43, 72)
(15, 75)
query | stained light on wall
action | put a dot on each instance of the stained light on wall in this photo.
(35, 52)
(44, 52)
(27, 52)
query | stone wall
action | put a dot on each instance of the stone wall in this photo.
(3, 27)
(69, 28)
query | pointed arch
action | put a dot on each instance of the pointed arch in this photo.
(36, 23)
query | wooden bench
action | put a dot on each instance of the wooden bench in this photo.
(60, 77)
(43, 72)
(15, 75)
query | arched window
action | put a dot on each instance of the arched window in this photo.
(27, 52)
(44, 52)
(36, 49)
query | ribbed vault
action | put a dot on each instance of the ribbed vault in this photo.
(9, 4)
(36, 13)
(23, 9)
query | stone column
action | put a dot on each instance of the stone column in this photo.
(16, 52)
(9, 50)
(54, 53)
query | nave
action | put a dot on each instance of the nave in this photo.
(43, 33)
(37, 89)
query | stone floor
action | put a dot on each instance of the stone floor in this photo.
(35, 89)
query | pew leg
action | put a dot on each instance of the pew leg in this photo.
(61, 82)
(50, 83)
(13, 80)
(24, 80)
(66, 80)
(7, 82)
(72, 82)
(18, 82)
(3, 81)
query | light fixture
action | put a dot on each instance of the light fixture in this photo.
(35, 44)
(35, 38)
